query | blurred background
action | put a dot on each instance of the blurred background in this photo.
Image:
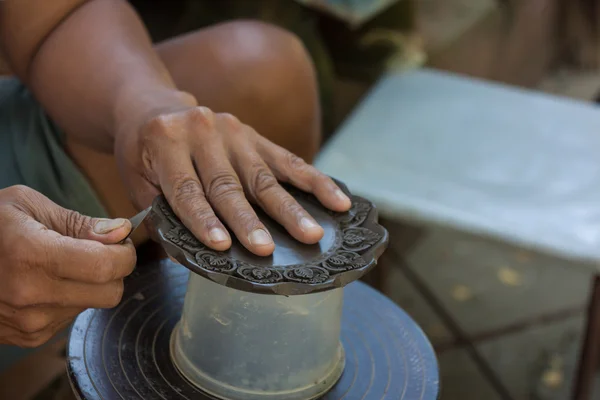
(506, 315)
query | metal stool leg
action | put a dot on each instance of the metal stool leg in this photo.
(589, 358)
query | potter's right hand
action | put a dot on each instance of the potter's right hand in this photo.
(54, 263)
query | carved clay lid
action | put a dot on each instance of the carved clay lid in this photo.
(351, 245)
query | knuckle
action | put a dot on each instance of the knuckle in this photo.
(159, 123)
(24, 196)
(210, 222)
(103, 265)
(41, 340)
(202, 116)
(295, 163)
(75, 223)
(160, 129)
(263, 181)
(246, 218)
(114, 295)
(104, 272)
(18, 191)
(36, 339)
(30, 341)
(21, 296)
(204, 214)
(120, 267)
(32, 322)
(320, 179)
(186, 188)
(131, 259)
(288, 206)
(231, 121)
(223, 186)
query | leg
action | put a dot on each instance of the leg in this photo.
(589, 358)
(258, 72)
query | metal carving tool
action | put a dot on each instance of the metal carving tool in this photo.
(136, 221)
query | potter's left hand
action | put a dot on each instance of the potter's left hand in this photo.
(210, 164)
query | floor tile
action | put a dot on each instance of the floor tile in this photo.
(461, 379)
(487, 286)
(401, 291)
(538, 363)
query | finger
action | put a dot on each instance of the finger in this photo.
(264, 189)
(84, 295)
(45, 291)
(14, 337)
(142, 191)
(35, 319)
(69, 222)
(73, 224)
(288, 167)
(183, 190)
(226, 195)
(84, 260)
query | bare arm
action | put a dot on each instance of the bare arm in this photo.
(90, 63)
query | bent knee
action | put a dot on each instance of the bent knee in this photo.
(266, 62)
(251, 43)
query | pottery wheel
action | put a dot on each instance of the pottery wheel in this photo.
(123, 353)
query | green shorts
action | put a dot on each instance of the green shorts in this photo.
(32, 153)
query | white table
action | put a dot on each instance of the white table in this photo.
(518, 166)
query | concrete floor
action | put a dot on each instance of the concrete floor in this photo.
(506, 323)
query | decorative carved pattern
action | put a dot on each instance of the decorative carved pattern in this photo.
(163, 206)
(307, 274)
(215, 262)
(356, 215)
(344, 261)
(354, 237)
(259, 274)
(183, 238)
(359, 239)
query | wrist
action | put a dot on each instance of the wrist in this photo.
(132, 111)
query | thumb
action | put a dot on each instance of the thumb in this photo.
(69, 222)
(104, 230)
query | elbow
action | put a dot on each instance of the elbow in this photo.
(23, 33)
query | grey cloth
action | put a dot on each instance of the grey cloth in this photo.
(32, 153)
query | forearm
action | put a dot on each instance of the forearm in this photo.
(95, 71)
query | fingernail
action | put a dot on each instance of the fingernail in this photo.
(259, 237)
(340, 195)
(217, 235)
(104, 226)
(307, 224)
